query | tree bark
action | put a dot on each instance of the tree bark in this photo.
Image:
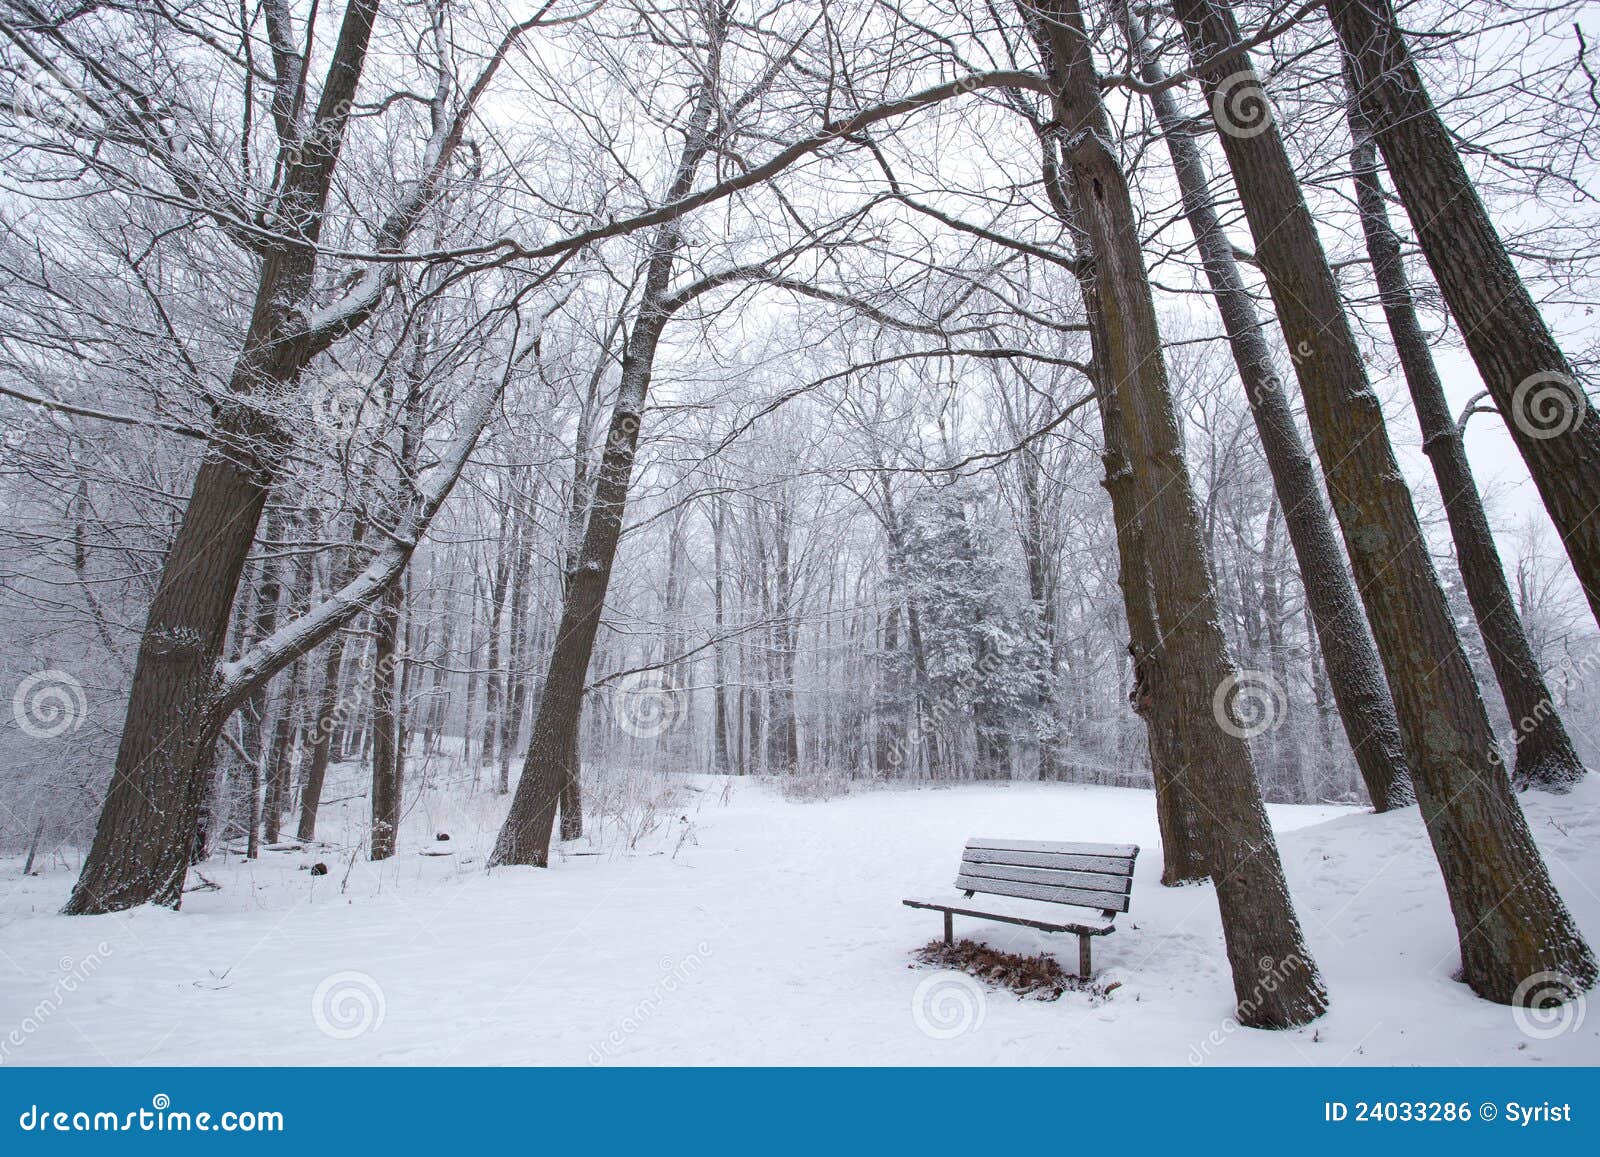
(1544, 753)
(1355, 673)
(1510, 919)
(1276, 982)
(323, 727)
(387, 758)
(1544, 405)
(1183, 836)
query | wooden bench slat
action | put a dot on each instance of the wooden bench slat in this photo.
(1058, 860)
(1108, 901)
(1118, 851)
(1092, 881)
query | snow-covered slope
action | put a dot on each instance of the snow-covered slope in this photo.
(750, 929)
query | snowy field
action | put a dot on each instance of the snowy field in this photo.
(748, 928)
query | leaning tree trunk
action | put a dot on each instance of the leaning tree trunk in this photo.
(1544, 405)
(1182, 833)
(1544, 753)
(1276, 982)
(1180, 822)
(1355, 673)
(1511, 921)
(525, 836)
(142, 843)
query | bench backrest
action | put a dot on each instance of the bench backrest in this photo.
(1083, 875)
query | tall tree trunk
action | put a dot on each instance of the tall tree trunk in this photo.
(516, 681)
(1289, 752)
(1183, 835)
(783, 740)
(142, 842)
(256, 715)
(499, 590)
(721, 758)
(280, 754)
(1544, 405)
(1544, 753)
(919, 751)
(328, 709)
(525, 836)
(387, 757)
(1510, 919)
(1275, 979)
(1355, 673)
(1180, 821)
(1041, 591)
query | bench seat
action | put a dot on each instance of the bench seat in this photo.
(1038, 884)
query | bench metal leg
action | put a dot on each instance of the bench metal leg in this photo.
(949, 928)
(1083, 954)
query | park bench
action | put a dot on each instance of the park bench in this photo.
(1096, 876)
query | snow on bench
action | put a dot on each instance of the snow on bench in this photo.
(1032, 876)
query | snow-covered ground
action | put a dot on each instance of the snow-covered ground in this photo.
(751, 929)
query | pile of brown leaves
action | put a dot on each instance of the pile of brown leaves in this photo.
(1035, 977)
